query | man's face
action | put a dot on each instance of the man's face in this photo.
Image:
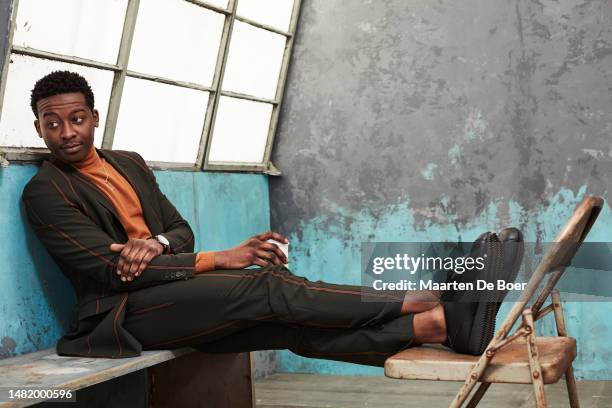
(67, 125)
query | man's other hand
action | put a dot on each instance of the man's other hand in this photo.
(135, 256)
(253, 251)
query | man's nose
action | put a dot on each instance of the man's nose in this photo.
(68, 131)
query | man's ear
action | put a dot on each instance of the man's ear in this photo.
(96, 117)
(37, 126)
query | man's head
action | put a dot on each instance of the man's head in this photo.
(63, 104)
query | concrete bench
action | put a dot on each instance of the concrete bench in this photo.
(181, 377)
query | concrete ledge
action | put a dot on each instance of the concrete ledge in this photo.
(46, 370)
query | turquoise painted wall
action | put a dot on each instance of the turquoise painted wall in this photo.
(336, 241)
(36, 301)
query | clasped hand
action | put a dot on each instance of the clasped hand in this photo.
(135, 256)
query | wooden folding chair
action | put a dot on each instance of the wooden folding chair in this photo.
(521, 358)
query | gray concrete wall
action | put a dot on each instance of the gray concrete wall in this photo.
(488, 98)
(437, 119)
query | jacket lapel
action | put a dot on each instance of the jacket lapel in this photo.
(101, 197)
(113, 162)
(95, 191)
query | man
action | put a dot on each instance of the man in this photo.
(130, 257)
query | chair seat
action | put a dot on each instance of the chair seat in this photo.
(509, 365)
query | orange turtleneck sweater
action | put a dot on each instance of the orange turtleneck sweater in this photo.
(125, 200)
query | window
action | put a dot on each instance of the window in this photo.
(191, 84)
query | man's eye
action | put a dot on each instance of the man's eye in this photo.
(52, 125)
(78, 120)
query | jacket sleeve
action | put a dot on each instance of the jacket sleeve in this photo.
(80, 245)
(176, 229)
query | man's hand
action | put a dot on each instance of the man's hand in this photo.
(135, 256)
(253, 251)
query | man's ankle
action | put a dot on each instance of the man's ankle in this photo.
(439, 323)
(430, 326)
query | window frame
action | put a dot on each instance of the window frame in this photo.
(120, 72)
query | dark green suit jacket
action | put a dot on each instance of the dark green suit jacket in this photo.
(77, 223)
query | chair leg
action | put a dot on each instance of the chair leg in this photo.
(470, 382)
(572, 392)
(480, 392)
(570, 380)
(534, 361)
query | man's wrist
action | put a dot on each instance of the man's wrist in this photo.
(162, 249)
(163, 242)
(220, 259)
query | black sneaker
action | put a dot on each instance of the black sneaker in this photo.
(478, 249)
(470, 316)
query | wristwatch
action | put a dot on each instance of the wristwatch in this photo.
(164, 241)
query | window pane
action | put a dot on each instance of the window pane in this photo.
(254, 61)
(241, 131)
(177, 40)
(16, 128)
(275, 13)
(161, 122)
(84, 28)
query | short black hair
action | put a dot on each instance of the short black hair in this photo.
(60, 82)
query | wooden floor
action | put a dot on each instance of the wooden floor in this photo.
(310, 391)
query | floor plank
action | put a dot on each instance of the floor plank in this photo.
(284, 390)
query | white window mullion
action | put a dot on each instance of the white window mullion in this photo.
(123, 57)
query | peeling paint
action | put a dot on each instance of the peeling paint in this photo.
(336, 241)
(475, 126)
(454, 153)
(428, 171)
(445, 123)
(7, 347)
(424, 89)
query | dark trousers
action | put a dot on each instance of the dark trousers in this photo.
(266, 309)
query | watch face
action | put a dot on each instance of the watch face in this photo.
(162, 240)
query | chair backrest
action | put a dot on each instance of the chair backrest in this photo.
(581, 221)
(567, 243)
(555, 260)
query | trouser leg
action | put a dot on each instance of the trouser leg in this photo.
(218, 303)
(370, 345)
